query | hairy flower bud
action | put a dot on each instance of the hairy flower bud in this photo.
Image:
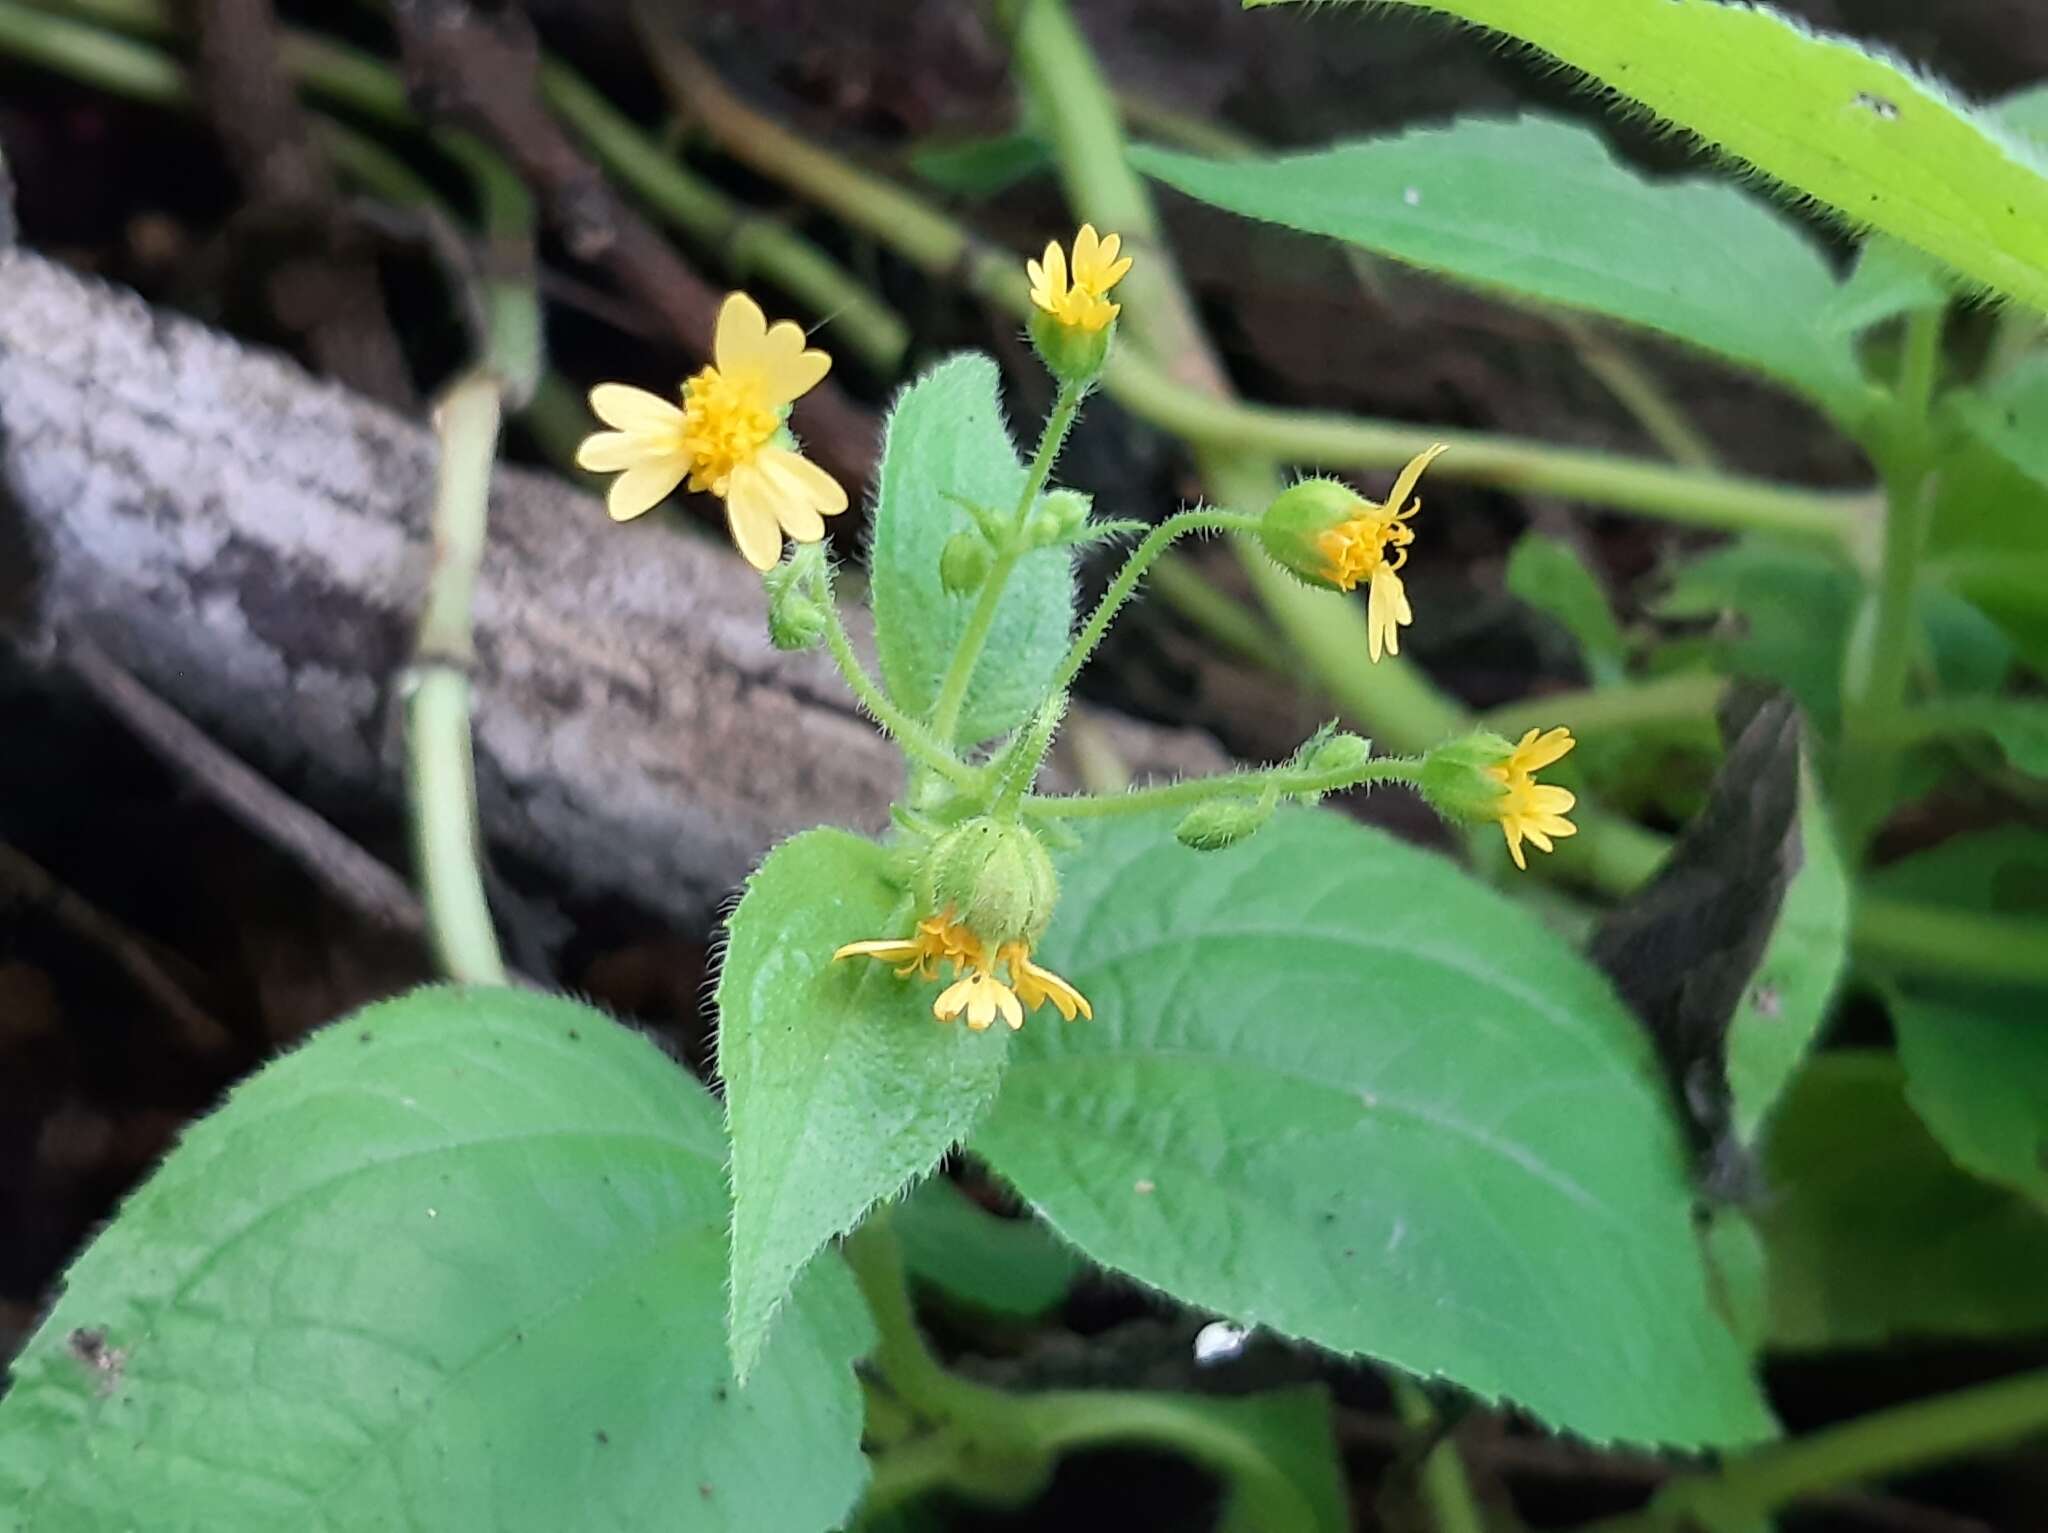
(1060, 514)
(796, 619)
(1294, 526)
(1222, 822)
(1071, 353)
(1461, 780)
(995, 878)
(1335, 750)
(964, 563)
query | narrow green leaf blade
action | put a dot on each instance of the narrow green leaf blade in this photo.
(1549, 575)
(1884, 147)
(1788, 997)
(1977, 1073)
(946, 444)
(459, 1262)
(840, 1086)
(1871, 1231)
(1337, 1088)
(1004, 1266)
(1540, 210)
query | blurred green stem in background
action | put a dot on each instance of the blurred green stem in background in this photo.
(1748, 1487)
(1162, 391)
(440, 762)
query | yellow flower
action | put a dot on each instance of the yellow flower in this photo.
(975, 992)
(723, 437)
(1372, 545)
(1084, 304)
(1529, 809)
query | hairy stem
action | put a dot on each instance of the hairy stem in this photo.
(960, 673)
(1185, 794)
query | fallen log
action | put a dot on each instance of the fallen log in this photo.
(252, 544)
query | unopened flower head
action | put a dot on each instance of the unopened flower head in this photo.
(727, 437)
(1528, 809)
(1079, 301)
(1480, 778)
(1329, 535)
(1073, 319)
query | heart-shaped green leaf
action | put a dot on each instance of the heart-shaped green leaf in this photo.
(459, 1262)
(1336, 1087)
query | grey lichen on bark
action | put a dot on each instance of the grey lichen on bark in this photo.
(252, 543)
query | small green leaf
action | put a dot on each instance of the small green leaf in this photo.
(1977, 1073)
(840, 1086)
(1004, 1266)
(1872, 1233)
(947, 444)
(980, 168)
(1885, 147)
(1787, 999)
(1278, 1455)
(1540, 210)
(459, 1262)
(1785, 616)
(1337, 1088)
(1549, 575)
(1889, 279)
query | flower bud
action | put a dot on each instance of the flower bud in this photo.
(1071, 353)
(964, 563)
(1222, 822)
(1335, 751)
(796, 619)
(1060, 514)
(1458, 778)
(995, 878)
(1292, 528)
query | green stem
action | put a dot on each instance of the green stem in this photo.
(1632, 386)
(960, 672)
(92, 55)
(1905, 936)
(1881, 657)
(861, 322)
(1877, 1446)
(1446, 1491)
(916, 740)
(914, 1375)
(1222, 618)
(1189, 791)
(1019, 767)
(441, 775)
(1690, 697)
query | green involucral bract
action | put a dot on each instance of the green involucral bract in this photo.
(458, 1262)
(1336, 1088)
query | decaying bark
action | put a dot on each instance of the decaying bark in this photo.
(252, 543)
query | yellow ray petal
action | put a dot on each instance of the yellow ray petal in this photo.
(606, 452)
(644, 486)
(819, 489)
(631, 409)
(742, 330)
